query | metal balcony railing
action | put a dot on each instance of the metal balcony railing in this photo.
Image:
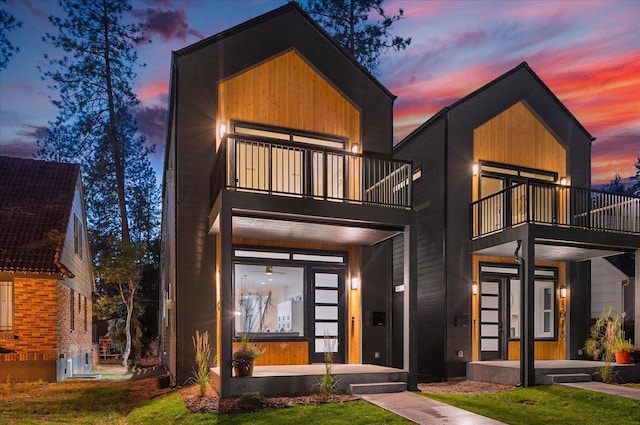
(550, 204)
(284, 169)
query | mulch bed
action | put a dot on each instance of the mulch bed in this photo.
(211, 402)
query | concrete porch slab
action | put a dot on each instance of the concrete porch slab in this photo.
(507, 372)
(303, 379)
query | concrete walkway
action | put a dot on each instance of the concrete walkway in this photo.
(600, 387)
(423, 410)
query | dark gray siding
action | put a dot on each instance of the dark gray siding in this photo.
(376, 290)
(427, 150)
(579, 308)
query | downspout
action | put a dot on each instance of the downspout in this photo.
(625, 283)
(521, 272)
(444, 243)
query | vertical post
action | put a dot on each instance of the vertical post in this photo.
(527, 304)
(410, 361)
(636, 337)
(226, 299)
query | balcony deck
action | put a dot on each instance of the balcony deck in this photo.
(276, 167)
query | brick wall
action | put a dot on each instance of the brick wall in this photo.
(35, 311)
(73, 342)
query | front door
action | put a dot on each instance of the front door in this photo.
(327, 305)
(493, 342)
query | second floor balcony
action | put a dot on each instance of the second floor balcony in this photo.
(279, 168)
(555, 205)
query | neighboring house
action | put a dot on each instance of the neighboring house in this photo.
(612, 288)
(505, 208)
(46, 277)
(288, 213)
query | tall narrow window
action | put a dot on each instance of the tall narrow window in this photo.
(72, 309)
(544, 311)
(86, 319)
(77, 236)
(6, 306)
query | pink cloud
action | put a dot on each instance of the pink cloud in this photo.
(168, 24)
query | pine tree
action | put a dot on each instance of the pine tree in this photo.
(348, 22)
(7, 23)
(615, 185)
(96, 127)
(635, 188)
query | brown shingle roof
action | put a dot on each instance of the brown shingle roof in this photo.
(35, 204)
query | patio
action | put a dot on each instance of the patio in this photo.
(507, 372)
(300, 379)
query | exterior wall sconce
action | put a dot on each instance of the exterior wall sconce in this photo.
(474, 288)
(563, 292)
(354, 283)
(475, 168)
(564, 181)
(355, 148)
(222, 129)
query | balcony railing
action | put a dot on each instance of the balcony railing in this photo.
(549, 204)
(284, 169)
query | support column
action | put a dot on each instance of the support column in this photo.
(410, 362)
(226, 300)
(527, 305)
(636, 337)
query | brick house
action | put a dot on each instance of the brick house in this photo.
(45, 272)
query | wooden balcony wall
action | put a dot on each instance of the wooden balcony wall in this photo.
(518, 137)
(287, 92)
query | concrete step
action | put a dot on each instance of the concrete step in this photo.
(560, 378)
(378, 388)
(86, 376)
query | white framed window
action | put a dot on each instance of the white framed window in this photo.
(6, 306)
(544, 326)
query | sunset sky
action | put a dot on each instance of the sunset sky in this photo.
(587, 52)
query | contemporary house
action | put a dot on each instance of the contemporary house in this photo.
(278, 176)
(506, 229)
(289, 216)
(46, 277)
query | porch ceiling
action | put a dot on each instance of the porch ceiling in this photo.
(305, 230)
(551, 251)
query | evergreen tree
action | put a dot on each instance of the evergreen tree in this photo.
(96, 127)
(7, 23)
(635, 188)
(348, 22)
(615, 185)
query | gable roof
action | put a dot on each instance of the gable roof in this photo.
(524, 66)
(291, 7)
(35, 205)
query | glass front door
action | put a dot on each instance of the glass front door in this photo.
(328, 317)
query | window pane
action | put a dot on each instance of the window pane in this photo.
(489, 344)
(326, 312)
(326, 345)
(489, 302)
(329, 280)
(266, 303)
(6, 305)
(326, 296)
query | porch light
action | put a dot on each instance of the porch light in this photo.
(222, 129)
(563, 292)
(475, 168)
(474, 288)
(269, 270)
(563, 181)
(355, 148)
(354, 283)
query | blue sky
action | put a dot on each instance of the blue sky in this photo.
(587, 52)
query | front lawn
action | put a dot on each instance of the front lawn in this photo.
(546, 405)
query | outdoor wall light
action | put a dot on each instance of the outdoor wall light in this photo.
(474, 288)
(354, 283)
(563, 181)
(222, 129)
(475, 168)
(355, 148)
(563, 292)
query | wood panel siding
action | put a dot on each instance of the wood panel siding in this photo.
(286, 91)
(281, 352)
(353, 328)
(544, 350)
(518, 137)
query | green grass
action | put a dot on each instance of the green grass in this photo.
(111, 403)
(171, 409)
(548, 405)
